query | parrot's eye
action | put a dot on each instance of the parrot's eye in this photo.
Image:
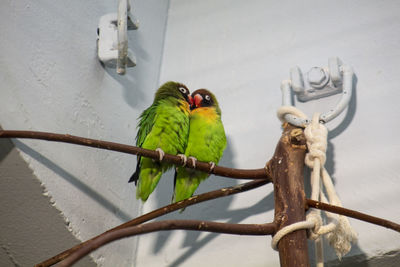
(207, 97)
(183, 90)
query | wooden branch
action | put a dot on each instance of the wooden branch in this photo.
(202, 166)
(353, 214)
(205, 226)
(286, 168)
(162, 211)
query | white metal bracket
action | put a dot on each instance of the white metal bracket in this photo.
(112, 41)
(320, 82)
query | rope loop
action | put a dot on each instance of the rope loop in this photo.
(317, 141)
(288, 229)
(315, 217)
(338, 231)
(285, 110)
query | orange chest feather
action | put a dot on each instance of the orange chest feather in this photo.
(206, 113)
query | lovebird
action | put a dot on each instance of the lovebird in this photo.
(207, 142)
(164, 127)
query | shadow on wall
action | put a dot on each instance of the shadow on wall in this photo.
(74, 181)
(330, 153)
(6, 147)
(350, 113)
(330, 167)
(136, 79)
(390, 259)
(358, 257)
(132, 83)
(27, 216)
(217, 209)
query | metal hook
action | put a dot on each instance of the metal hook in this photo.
(338, 78)
(112, 39)
(124, 23)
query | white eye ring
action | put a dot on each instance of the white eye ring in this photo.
(207, 97)
(182, 89)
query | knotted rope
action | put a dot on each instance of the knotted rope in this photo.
(338, 230)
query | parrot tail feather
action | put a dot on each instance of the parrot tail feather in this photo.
(150, 174)
(175, 175)
(135, 175)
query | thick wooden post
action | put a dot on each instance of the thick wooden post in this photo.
(286, 168)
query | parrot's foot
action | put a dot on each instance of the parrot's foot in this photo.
(193, 159)
(161, 154)
(212, 166)
(183, 159)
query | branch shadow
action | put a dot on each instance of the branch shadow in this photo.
(6, 147)
(217, 209)
(234, 216)
(74, 181)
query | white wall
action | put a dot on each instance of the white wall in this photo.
(52, 81)
(242, 50)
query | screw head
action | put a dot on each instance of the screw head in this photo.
(317, 77)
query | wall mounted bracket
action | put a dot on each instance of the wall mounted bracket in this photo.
(112, 41)
(321, 82)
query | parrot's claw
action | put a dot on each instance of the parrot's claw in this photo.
(183, 159)
(193, 159)
(161, 154)
(212, 166)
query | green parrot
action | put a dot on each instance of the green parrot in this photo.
(164, 127)
(207, 142)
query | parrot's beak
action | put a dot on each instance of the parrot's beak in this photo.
(190, 99)
(197, 100)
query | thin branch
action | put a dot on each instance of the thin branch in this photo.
(262, 174)
(353, 214)
(162, 211)
(205, 226)
(202, 166)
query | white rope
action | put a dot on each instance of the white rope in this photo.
(284, 110)
(319, 252)
(338, 231)
(288, 229)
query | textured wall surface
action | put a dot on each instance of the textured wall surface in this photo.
(31, 229)
(242, 50)
(51, 80)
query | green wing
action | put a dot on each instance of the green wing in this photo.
(144, 126)
(169, 131)
(207, 142)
